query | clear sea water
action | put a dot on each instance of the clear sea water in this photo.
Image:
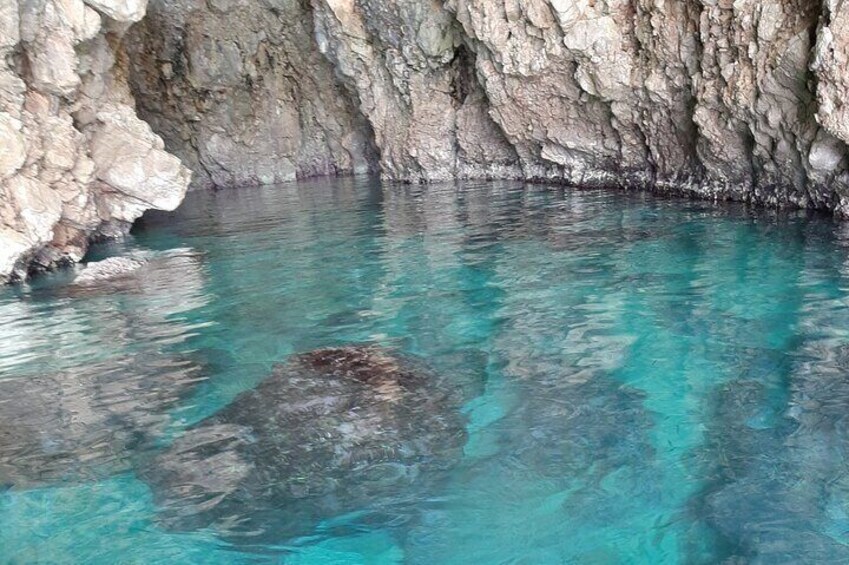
(655, 381)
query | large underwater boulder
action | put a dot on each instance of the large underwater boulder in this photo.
(331, 431)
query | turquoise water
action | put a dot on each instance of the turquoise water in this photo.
(653, 381)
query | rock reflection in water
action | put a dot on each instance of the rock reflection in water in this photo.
(89, 415)
(329, 432)
(86, 423)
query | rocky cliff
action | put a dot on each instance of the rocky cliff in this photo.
(241, 94)
(717, 98)
(76, 162)
(720, 99)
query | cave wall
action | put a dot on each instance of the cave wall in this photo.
(241, 94)
(734, 100)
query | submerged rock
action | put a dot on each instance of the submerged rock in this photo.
(107, 269)
(87, 423)
(770, 494)
(329, 432)
(139, 272)
(80, 409)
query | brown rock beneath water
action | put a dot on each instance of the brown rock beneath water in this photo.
(329, 432)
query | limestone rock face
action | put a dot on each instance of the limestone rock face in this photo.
(240, 92)
(415, 81)
(330, 431)
(718, 99)
(738, 100)
(735, 100)
(76, 162)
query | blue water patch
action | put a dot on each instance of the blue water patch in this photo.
(645, 380)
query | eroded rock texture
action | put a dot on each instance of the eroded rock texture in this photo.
(414, 77)
(240, 92)
(328, 432)
(76, 162)
(719, 99)
(740, 100)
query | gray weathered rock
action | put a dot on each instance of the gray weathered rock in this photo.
(143, 272)
(76, 162)
(328, 432)
(240, 92)
(718, 99)
(415, 82)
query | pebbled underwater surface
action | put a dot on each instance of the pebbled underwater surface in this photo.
(617, 378)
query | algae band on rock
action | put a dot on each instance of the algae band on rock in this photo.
(329, 432)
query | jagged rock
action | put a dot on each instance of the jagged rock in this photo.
(415, 82)
(328, 432)
(830, 57)
(240, 92)
(76, 163)
(736, 100)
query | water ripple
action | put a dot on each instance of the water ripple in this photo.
(654, 381)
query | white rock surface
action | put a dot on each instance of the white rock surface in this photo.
(76, 162)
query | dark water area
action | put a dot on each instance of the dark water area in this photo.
(606, 378)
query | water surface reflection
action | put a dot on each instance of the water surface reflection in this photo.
(645, 380)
